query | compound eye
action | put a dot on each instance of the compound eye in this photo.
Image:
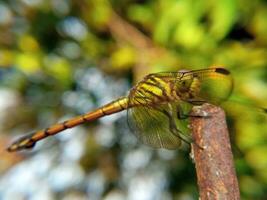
(184, 85)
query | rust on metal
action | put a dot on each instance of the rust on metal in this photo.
(214, 160)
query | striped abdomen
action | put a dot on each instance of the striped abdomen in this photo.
(30, 140)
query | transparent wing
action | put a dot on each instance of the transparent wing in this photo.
(213, 85)
(152, 126)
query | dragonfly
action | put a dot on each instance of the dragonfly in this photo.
(153, 105)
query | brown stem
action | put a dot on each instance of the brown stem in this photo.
(146, 50)
(214, 161)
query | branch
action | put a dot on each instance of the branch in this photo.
(214, 163)
(146, 50)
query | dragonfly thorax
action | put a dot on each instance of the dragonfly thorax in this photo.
(153, 89)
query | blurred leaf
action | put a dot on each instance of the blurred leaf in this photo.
(189, 34)
(143, 14)
(6, 58)
(28, 43)
(256, 157)
(223, 16)
(259, 25)
(250, 187)
(59, 68)
(98, 14)
(123, 58)
(28, 62)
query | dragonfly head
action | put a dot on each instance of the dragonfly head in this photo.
(184, 84)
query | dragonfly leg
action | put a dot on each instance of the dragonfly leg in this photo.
(180, 114)
(179, 133)
(175, 130)
(183, 137)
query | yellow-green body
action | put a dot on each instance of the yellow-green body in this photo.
(153, 106)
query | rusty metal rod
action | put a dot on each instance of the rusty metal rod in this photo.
(212, 153)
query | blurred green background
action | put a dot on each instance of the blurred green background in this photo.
(63, 58)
